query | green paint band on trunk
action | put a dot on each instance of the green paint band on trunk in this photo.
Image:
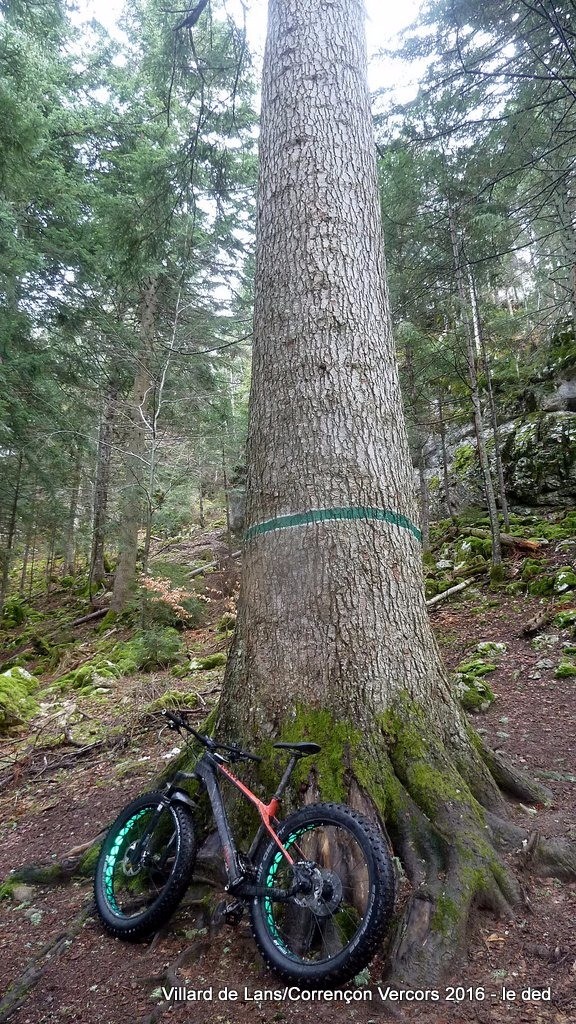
(324, 515)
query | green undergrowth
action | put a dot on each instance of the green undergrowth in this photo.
(156, 648)
(456, 554)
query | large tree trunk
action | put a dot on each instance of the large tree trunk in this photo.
(333, 641)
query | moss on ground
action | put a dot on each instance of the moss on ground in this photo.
(210, 661)
(172, 699)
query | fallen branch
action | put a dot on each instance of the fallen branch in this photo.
(448, 593)
(507, 540)
(211, 565)
(99, 614)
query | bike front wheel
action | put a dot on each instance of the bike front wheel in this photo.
(144, 866)
(328, 934)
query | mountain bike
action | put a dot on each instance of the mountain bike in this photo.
(319, 885)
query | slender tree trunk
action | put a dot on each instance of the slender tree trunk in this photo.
(333, 641)
(34, 538)
(101, 485)
(566, 204)
(10, 534)
(424, 500)
(227, 502)
(70, 537)
(445, 468)
(459, 266)
(481, 345)
(134, 466)
(50, 559)
(25, 560)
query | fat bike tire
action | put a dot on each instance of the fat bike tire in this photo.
(135, 894)
(330, 934)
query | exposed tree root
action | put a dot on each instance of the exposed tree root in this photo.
(434, 801)
(20, 988)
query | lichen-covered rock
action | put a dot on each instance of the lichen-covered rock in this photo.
(539, 457)
(538, 454)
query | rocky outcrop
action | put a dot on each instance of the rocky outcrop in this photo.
(539, 456)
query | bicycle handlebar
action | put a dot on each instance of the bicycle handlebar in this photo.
(177, 722)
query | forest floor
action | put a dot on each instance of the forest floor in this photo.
(59, 966)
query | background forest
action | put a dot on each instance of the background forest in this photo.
(128, 169)
(128, 176)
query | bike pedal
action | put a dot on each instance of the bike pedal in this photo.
(227, 913)
(233, 913)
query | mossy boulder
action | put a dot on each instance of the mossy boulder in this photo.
(172, 699)
(532, 568)
(566, 618)
(97, 674)
(17, 703)
(542, 586)
(565, 669)
(491, 647)
(565, 579)
(471, 688)
(474, 693)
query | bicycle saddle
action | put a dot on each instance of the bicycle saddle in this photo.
(301, 749)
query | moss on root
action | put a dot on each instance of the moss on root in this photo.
(87, 865)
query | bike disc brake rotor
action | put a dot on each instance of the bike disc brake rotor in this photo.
(129, 868)
(325, 895)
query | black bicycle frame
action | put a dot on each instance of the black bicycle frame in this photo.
(206, 772)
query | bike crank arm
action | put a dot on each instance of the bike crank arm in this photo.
(247, 891)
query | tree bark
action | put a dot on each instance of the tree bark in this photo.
(333, 641)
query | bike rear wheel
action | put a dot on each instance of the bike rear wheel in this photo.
(329, 934)
(144, 866)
